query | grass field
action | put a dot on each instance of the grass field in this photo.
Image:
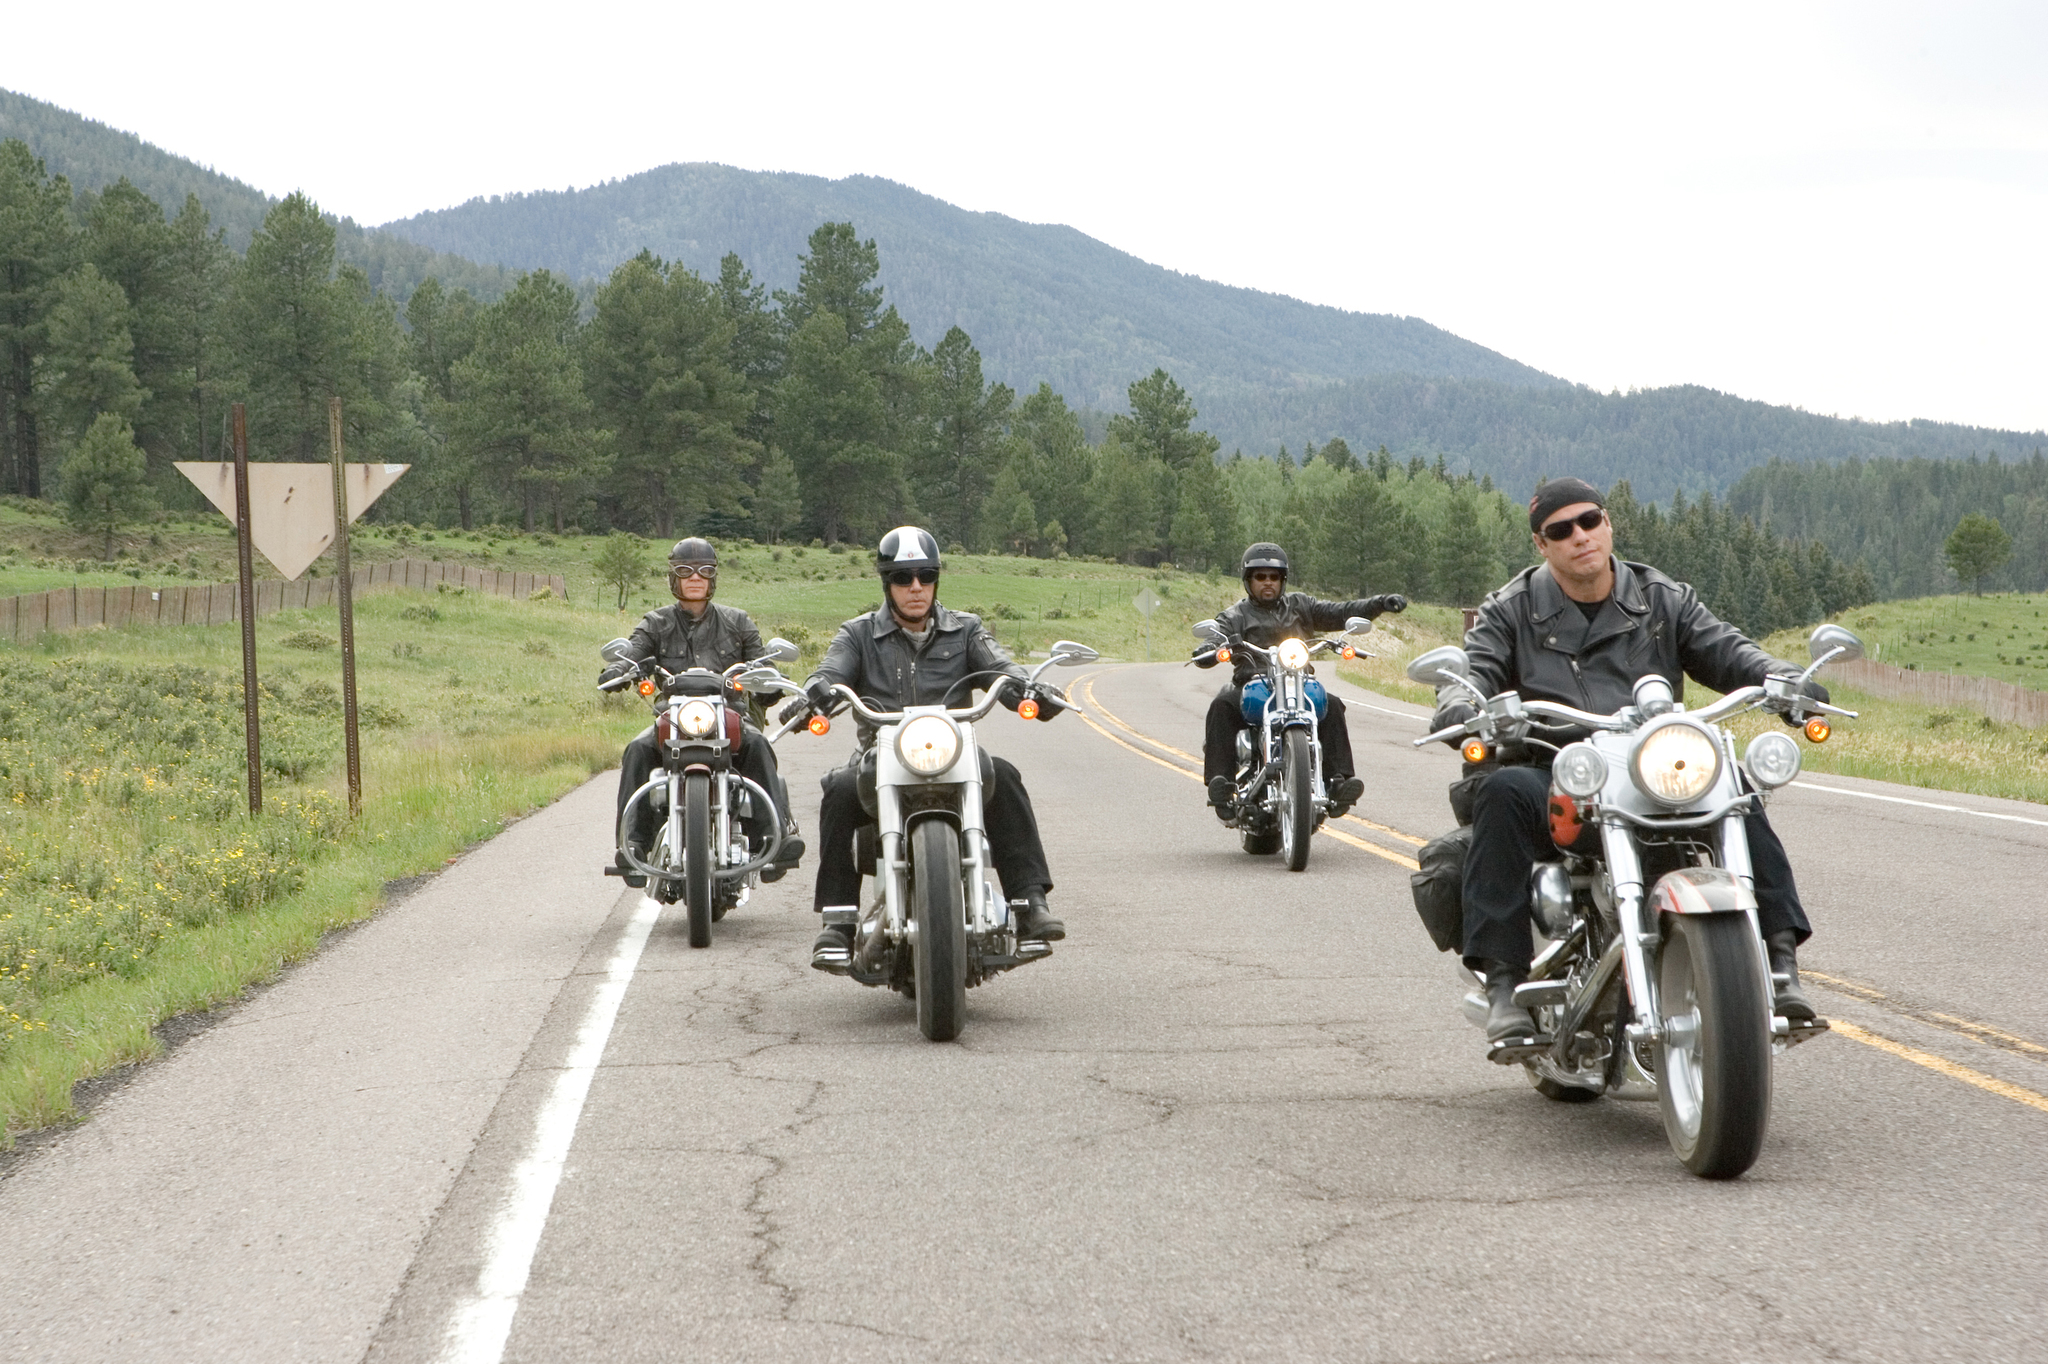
(2003, 635)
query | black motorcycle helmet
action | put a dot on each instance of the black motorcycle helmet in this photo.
(698, 552)
(1264, 554)
(907, 547)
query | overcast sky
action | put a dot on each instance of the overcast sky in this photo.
(1838, 206)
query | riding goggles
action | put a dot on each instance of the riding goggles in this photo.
(708, 572)
(1585, 520)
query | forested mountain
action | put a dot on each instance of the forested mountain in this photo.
(1043, 302)
(93, 156)
(1664, 440)
(1895, 515)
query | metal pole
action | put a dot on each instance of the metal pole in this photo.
(248, 605)
(348, 616)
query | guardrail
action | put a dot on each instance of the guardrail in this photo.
(2002, 701)
(72, 608)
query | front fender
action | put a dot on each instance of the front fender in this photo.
(1701, 890)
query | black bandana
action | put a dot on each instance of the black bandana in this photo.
(1561, 492)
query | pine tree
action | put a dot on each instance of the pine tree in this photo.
(1160, 424)
(778, 501)
(106, 480)
(956, 467)
(89, 355)
(36, 248)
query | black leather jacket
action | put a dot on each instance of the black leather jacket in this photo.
(873, 655)
(1530, 638)
(1294, 615)
(672, 637)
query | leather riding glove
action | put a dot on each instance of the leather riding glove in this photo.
(1814, 692)
(1392, 603)
(1049, 705)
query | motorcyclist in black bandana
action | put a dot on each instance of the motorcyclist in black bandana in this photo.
(696, 632)
(1268, 614)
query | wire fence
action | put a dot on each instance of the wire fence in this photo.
(72, 608)
(2002, 701)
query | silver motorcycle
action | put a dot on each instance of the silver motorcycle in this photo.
(1655, 983)
(936, 924)
(1279, 797)
(699, 855)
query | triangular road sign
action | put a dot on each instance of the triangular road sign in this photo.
(291, 506)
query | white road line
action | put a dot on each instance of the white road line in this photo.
(480, 1326)
(1923, 804)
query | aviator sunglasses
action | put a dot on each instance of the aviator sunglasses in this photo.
(904, 577)
(708, 572)
(1562, 530)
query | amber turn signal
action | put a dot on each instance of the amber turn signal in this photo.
(1347, 652)
(1475, 750)
(1223, 655)
(647, 686)
(1027, 709)
(1818, 729)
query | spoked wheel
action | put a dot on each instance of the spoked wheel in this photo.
(697, 855)
(941, 917)
(1297, 800)
(1714, 1064)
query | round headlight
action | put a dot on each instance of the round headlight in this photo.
(1772, 760)
(1293, 654)
(928, 744)
(697, 718)
(1675, 763)
(1580, 771)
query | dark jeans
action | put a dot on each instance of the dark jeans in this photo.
(1006, 813)
(1511, 833)
(755, 761)
(1226, 718)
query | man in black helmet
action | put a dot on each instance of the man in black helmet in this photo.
(1268, 614)
(1579, 629)
(698, 633)
(911, 651)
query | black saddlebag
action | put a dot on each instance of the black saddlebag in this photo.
(1439, 887)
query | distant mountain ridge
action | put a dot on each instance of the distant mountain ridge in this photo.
(1042, 302)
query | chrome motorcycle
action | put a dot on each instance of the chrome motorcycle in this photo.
(936, 924)
(1279, 797)
(699, 855)
(1655, 983)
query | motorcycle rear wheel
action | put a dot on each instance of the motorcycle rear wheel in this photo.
(939, 908)
(1297, 800)
(697, 855)
(1714, 1063)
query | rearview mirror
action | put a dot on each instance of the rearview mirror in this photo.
(1426, 667)
(1827, 638)
(617, 651)
(780, 650)
(1208, 629)
(1357, 625)
(1067, 653)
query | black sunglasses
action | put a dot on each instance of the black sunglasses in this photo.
(904, 577)
(708, 572)
(1562, 530)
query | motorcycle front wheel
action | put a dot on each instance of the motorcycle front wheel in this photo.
(1714, 1064)
(939, 908)
(1297, 800)
(697, 855)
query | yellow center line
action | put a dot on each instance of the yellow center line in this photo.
(1087, 685)
(1941, 1065)
(1982, 1033)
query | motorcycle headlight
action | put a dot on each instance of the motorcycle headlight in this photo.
(1293, 654)
(1772, 760)
(1675, 763)
(928, 744)
(1580, 771)
(697, 718)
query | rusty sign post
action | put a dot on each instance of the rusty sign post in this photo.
(247, 601)
(344, 588)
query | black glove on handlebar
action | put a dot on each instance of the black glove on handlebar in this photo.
(1392, 603)
(1048, 705)
(1205, 656)
(1814, 691)
(818, 692)
(616, 676)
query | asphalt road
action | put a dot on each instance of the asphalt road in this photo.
(1235, 1115)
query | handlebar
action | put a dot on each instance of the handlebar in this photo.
(994, 694)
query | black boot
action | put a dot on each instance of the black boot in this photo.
(631, 877)
(1788, 1000)
(1344, 793)
(1035, 921)
(1222, 797)
(1504, 1017)
(833, 951)
(786, 856)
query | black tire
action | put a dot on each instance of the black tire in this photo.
(938, 906)
(697, 855)
(1297, 800)
(1714, 1064)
